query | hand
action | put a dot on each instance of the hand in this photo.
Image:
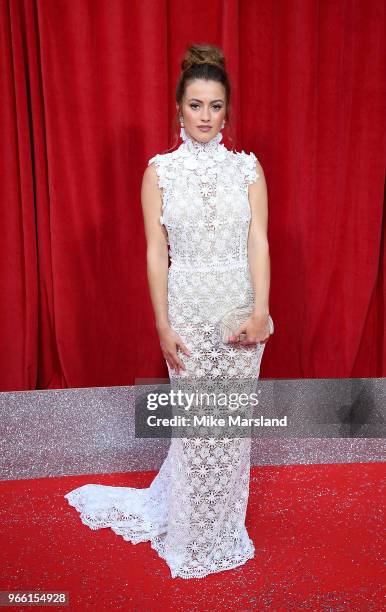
(256, 328)
(170, 340)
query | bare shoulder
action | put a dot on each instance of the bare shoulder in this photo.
(150, 174)
(259, 169)
(253, 161)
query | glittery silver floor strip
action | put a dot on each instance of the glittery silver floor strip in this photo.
(92, 430)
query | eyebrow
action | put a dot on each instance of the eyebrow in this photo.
(197, 100)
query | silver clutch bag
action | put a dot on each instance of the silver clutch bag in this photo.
(232, 320)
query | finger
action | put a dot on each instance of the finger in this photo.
(170, 364)
(236, 334)
(174, 367)
(184, 348)
(236, 340)
(172, 361)
(237, 337)
(251, 341)
(177, 362)
(180, 363)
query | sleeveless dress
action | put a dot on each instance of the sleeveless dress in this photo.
(193, 512)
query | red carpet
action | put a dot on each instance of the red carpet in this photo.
(317, 530)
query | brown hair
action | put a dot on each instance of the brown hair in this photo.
(201, 62)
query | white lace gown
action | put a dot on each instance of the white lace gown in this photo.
(193, 513)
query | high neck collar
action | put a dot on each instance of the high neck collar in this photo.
(195, 153)
(197, 148)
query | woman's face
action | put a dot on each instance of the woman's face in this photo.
(203, 104)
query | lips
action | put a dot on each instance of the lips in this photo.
(205, 127)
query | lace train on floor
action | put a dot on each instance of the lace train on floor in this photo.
(172, 511)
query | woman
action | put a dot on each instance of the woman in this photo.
(209, 204)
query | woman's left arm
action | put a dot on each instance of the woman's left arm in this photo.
(258, 247)
(256, 327)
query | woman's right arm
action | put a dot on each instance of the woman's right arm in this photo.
(157, 266)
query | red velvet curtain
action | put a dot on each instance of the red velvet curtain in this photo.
(87, 90)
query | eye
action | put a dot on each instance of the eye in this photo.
(217, 107)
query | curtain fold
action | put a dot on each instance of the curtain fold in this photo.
(87, 93)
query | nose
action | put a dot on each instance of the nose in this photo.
(205, 115)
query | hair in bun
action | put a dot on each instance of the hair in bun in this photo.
(203, 54)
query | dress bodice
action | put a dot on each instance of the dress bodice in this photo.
(205, 205)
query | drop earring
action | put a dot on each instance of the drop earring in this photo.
(219, 134)
(182, 130)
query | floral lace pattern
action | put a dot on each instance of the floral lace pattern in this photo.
(194, 511)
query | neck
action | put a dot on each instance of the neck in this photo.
(197, 147)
